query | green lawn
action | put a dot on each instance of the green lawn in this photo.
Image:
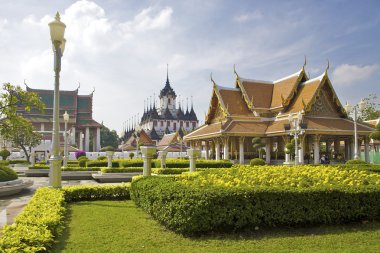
(118, 226)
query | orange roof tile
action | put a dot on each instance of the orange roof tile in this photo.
(205, 131)
(247, 127)
(234, 102)
(168, 139)
(283, 89)
(304, 95)
(259, 93)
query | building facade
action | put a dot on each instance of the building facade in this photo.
(168, 117)
(255, 108)
(81, 125)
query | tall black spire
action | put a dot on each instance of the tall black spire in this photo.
(167, 90)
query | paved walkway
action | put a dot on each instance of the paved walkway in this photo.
(12, 205)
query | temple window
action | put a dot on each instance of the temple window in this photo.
(187, 124)
(162, 123)
(175, 126)
(154, 122)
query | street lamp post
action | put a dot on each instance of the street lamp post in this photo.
(66, 118)
(296, 132)
(349, 108)
(137, 137)
(57, 32)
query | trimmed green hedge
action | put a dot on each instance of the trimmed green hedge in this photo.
(194, 210)
(169, 171)
(132, 163)
(256, 161)
(43, 218)
(356, 162)
(39, 166)
(121, 170)
(101, 163)
(81, 169)
(4, 162)
(7, 174)
(182, 163)
(18, 162)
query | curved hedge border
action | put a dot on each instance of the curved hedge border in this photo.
(195, 210)
(43, 218)
(101, 163)
(121, 170)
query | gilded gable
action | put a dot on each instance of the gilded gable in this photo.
(324, 104)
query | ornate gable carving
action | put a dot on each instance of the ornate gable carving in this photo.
(324, 104)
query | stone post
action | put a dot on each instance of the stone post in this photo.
(193, 154)
(217, 150)
(109, 158)
(147, 155)
(241, 150)
(162, 155)
(366, 150)
(267, 150)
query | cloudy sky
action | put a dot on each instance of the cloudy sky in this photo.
(121, 47)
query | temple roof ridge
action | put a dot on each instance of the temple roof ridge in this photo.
(289, 76)
(255, 80)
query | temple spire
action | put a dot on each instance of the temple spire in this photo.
(167, 73)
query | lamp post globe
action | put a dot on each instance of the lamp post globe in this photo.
(57, 32)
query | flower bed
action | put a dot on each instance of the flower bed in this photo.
(232, 199)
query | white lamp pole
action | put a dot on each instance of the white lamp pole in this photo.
(297, 130)
(57, 32)
(349, 108)
(66, 118)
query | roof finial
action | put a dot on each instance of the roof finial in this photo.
(57, 16)
(191, 101)
(144, 105)
(25, 84)
(328, 66)
(150, 102)
(93, 90)
(78, 85)
(167, 72)
(187, 104)
(235, 70)
(304, 64)
(212, 80)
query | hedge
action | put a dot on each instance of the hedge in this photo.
(181, 163)
(39, 166)
(101, 163)
(122, 170)
(169, 171)
(356, 162)
(43, 218)
(4, 162)
(257, 161)
(18, 162)
(7, 174)
(195, 210)
(132, 163)
(67, 168)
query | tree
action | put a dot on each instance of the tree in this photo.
(4, 153)
(370, 112)
(21, 133)
(376, 134)
(291, 147)
(108, 137)
(257, 145)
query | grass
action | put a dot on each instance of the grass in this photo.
(118, 226)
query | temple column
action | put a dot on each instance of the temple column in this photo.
(81, 140)
(301, 150)
(267, 150)
(217, 150)
(207, 150)
(94, 140)
(72, 135)
(98, 147)
(336, 147)
(241, 150)
(366, 150)
(87, 139)
(316, 149)
(226, 149)
(352, 148)
(287, 156)
(346, 150)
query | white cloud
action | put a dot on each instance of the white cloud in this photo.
(347, 74)
(256, 15)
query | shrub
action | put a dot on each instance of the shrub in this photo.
(108, 148)
(102, 157)
(82, 161)
(257, 161)
(71, 162)
(86, 192)
(132, 163)
(4, 162)
(39, 166)
(182, 163)
(356, 162)
(4, 153)
(81, 169)
(173, 163)
(96, 163)
(79, 153)
(7, 174)
(121, 170)
(238, 198)
(19, 162)
(131, 155)
(169, 171)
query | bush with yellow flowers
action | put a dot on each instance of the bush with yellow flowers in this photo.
(245, 197)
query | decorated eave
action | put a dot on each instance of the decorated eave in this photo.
(215, 100)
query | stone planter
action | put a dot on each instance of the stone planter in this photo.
(193, 155)
(147, 155)
(109, 157)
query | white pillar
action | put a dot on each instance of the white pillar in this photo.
(87, 140)
(42, 127)
(346, 150)
(207, 150)
(366, 150)
(241, 150)
(193, 154)
(267, 151)
(352, 149)
(80, 140)
(98, 139)
(316, 149)
(301, 150)
(73, 135)
(162, 154)
(226, 149)
(109, 158)
(147, 155)
(217, 150)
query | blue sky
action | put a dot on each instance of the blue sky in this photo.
(121, 48)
